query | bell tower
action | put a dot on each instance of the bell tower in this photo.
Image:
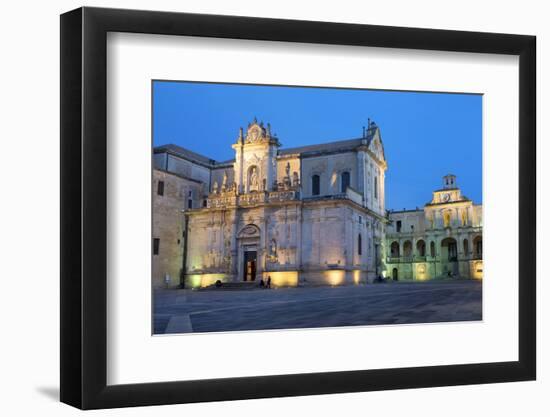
(449, 181)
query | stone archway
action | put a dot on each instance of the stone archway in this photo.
(421, 248)
(478, 247)
(407, 249)
(449, 257)
(248, 246)
(394, 250)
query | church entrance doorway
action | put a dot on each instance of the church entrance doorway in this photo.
(249, 270)
(394, 274)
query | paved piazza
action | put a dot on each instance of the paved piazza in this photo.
(185, 311)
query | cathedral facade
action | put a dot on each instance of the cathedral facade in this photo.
(306, 215)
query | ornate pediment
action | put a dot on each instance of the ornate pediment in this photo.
(258, 133)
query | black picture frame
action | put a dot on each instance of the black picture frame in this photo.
(84, 207)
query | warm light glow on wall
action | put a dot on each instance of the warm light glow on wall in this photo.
(335, 277)
(421, 272)
(333, 179)
(282, 278)
(203, 280)
(356, 277)
(192, 281)
(478, 270)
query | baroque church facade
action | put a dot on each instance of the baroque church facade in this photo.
(307, 215)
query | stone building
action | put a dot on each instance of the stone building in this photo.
(441, 240)
(172, 193)
(313, 214)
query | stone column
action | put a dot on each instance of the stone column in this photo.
(238, 167)
(382, 191)
(232, 220)
(361, 175)
(299, 225)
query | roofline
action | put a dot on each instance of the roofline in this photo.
(175, 174)
(281, 153)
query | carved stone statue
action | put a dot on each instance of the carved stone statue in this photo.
(254, 179)
(273, 251)
(215, 188)
(287, 169)
(295, 179)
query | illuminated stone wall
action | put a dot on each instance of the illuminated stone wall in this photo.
(168, 224)
(261, 202)
(297, 243)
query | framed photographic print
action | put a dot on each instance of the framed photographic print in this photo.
(257, 207)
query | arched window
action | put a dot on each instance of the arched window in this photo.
(344, 181)
(359, 244)
(315, 185)
(421, 248)
(478, 246)
(432, 249)
(394, 250)
(407, 248)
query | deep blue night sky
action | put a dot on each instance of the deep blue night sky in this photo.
(425, 135)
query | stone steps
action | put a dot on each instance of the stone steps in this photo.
(239, 285)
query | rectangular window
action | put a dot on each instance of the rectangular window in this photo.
(376, 187)
(345, 181)
(315, 185)
(398, 225)
(160, 188)
(190, 199)
(156, 245)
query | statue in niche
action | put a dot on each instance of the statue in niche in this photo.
(215, 188)
(287, 169)
(295, 179)
(273, 251)
(254, 183)
(464, 218)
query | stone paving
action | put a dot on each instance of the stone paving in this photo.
(185, 311)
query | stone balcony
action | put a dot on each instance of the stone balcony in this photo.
(437, 258)
(349, 194)
(251, 199)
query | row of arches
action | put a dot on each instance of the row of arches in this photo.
(448, 245)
